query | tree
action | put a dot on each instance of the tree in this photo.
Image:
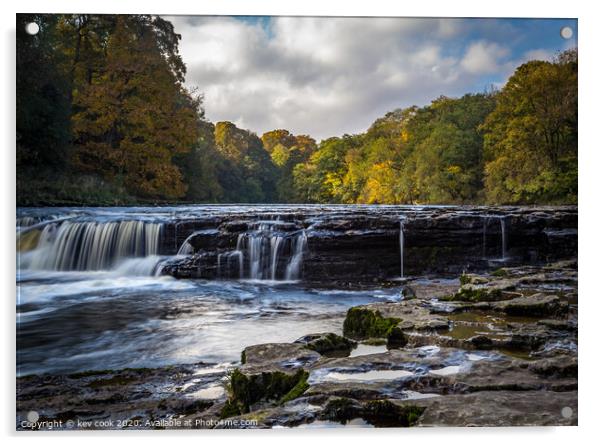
(200, 168)
(42, 94)
(531, 136)
(131, 119)
(247, 167)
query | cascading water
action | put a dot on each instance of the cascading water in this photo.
(92, 245)
(485, 222)
(503, 230)
(293, 269)
(260, 254)
(503, 247)
(401, 243)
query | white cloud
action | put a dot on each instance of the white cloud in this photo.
(328, 76)
(484, 57)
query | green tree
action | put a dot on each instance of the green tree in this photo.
(42, 93)
(247, 168)
(531, 136)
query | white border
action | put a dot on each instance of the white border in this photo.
(589, 205)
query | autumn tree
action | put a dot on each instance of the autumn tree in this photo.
(531, 136)
(286, 151)
(135, 115)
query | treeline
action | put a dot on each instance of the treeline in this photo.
(103, 118)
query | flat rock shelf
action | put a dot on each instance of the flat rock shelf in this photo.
(275, 316)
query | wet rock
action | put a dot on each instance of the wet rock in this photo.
(408, 293)
(362, 245)
(533, 305)
(557, 366)
(132, 396)
(248, 387)
(481, 342)
(377, 320)
(328, 344)
(486, 291)
(396, 338)
(341, 410)
(363, 322)
(278, 356)
(512, 375)
(500, 408)
(384, 414)
(563, 325)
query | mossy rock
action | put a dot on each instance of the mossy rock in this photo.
(476, 293)
(361, 323)
(341, 410)
(383, 413)
(501, 272)
(329, 344)
(276, 387)
(396, 338)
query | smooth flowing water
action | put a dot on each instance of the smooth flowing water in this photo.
(90, 294)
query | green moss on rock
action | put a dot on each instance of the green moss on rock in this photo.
(383, 413)
(341, 410)
(475, 294)
(501, 272)
(330, 343)
(297, 390)
(246, 390)
(363, 323)
(396, 338)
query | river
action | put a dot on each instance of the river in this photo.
(89, 295)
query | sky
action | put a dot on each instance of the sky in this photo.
(332, 76)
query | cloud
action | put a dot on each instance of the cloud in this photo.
(330, 76)
(484, 57)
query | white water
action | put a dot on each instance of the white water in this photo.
(260, 252)
(503, 230)
(92, 245)
(503, 240)
(294, 266)
(401, 242)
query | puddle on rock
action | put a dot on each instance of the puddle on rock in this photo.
(414, 395)
(364, 349)
(447, 371)
(366, 376)
(353, 423)
(209, 393)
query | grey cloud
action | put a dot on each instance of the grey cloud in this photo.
(322, 76)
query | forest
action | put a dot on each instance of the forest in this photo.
(104, 118)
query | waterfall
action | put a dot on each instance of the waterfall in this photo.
(401, 242)
(293, 269)
(274, 250)
(262, 250)
(186, 248)
(92, 245)
(485, 222)
(503, 230)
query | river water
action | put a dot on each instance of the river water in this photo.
(90, 294)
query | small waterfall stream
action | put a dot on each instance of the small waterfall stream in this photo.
(503, 230)
(401, 242)
(503, 238)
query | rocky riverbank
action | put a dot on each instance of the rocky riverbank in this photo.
(492, 349)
